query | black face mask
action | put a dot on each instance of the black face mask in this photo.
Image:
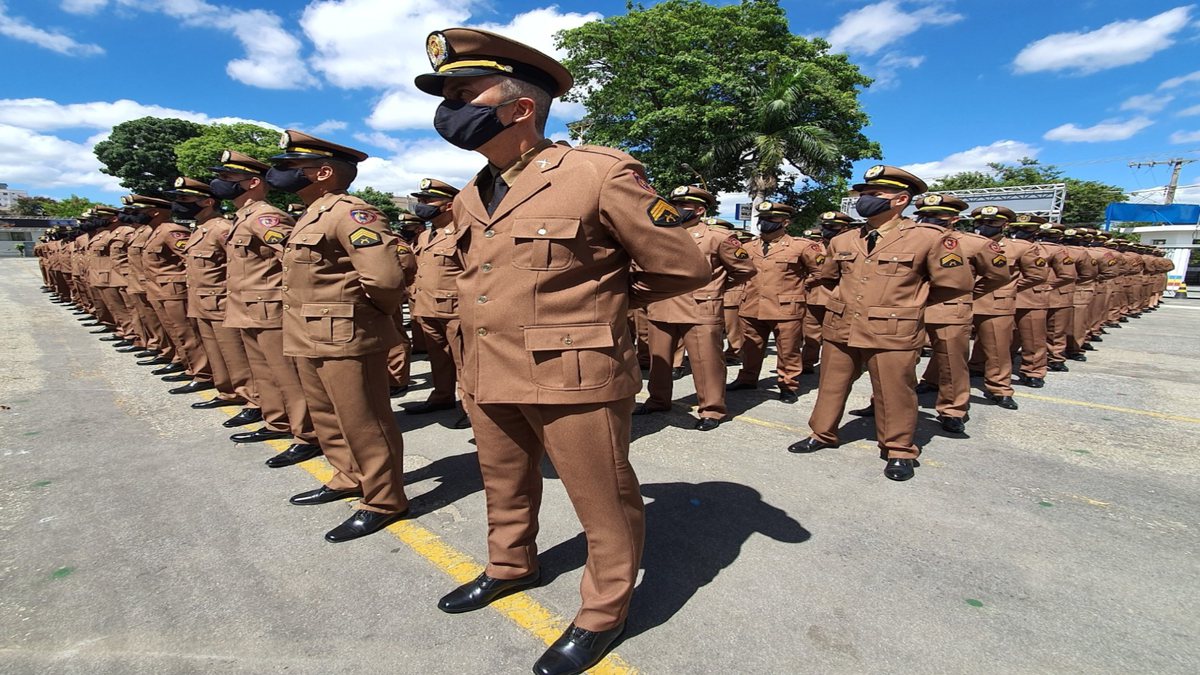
(989, 231)
(125, 218)
(870, 205)
(1027, 235)
(409, 235)
(288, 180)
(468, 126)
(930, 220)
(769, 226)
(686, 214)
(226, 189)
(140, 218)
(829, 234)
(185, 210)
(426, 211)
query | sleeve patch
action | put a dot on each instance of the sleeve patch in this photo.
(1068, 260)
(951, 259)
(401, 249)
(362, 237)
(1040, 262)
(950, 243)
(363, 217)
(741, 253)
(996, 248)
(268, 221)
(663, 214)
(181, 244)
(643, 183)
(273, 236)
(1000, 261)
(821, 259)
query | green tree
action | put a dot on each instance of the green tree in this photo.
(380, 200)
(141, 152)
(32, 206)
(671, 82)
(194, 156)
(71, 207)
(1086, 199)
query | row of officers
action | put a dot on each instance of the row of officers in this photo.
(531, 289)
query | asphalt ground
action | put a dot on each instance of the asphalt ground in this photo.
(1063, 537)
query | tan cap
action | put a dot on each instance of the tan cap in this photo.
(836, 218)
(892, 177)
(471, 52)
(691, 193)
(775, 209)
(432, 188)
(993, 211)
(407, 218)
(1027, 221)
(233, 161)
(935, 203)
(145, 202)
(719, 223)
(189, 187)
(299, 145)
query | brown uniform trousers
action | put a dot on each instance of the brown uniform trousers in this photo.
(399, 357)
(108, 282)
(731, 301)
(118, 253)
(695, 321)
(207, 264)
(994, 314)
(167, 273)
(548, 363)
(814, 316)
(435, 305)
(1060, 300)
(342, 284)
(775, 304)
(1031, 316)
(949, 319)
(1106, 270)
(1134, 267)
(875, 320)
(1087, 271)
(254, 306)
(139, 288)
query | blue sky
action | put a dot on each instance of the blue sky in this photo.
(1088, 85)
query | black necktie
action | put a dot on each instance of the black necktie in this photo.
(872, 237)
(766, 246)
(499, 189)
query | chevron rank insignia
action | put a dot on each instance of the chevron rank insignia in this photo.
(362, 237)
(821, 260)
(1040, 262)
(362, 217)
(181, 244)
(999, 261)
(952, 260)
(273, 236)
(741, 253)
(663, 214)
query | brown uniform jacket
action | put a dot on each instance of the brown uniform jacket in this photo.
(435, 289)
(981, 266)
(786, 267)
(342, 281)
(1060, 287)
(137, 259)
(1086, 268)
(118, 251)
(547, 279)
(730, 264)
(206, 268)
(880, 299)
(99, 264)
(1032, 290)
(166, 268)
(1021, 261)
(254, 266)
(818, 291)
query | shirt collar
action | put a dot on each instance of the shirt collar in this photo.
(510, 173)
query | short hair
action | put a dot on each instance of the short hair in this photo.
(512, 88)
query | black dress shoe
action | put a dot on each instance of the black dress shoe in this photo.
(926, 388)
(900, 469)
(926, 352)
(192, 388)
(1122, 320)
(296, 453)
(169, 369)
(868, 411)
(954, 425)
(1077, 356)
(480, 592)
(246, 416)
(105, 329)
(124, 342)
(129, 350)
(808, 445)
(259, 436)
(643, 409)
(177, 377)
(576, 651)
(323, 495)
(1087, 346)
(808, 370)
(1005, 402)
(677, 373)
(217, 403)
(788, 396)
(397, 392)
(113, 338)
(94, 324)
(463, 422)
(976, 373)
(732, 361)
(423, 407)
(1034, 382)
(145, 354)
(707, 424)
(739, 386)
(362, 523)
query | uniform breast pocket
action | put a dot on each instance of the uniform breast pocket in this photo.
(544, 244)
(306, 247)
(792, 304)
(330, 323)
(896, 264)
(240, 245)
(899, 321)
(204, 259)
(102, 277)
(446, 302)
(444, 257)
(845, 261)
(572, 357)
(787, 261)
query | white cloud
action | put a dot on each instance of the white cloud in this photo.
(20, 29)
(403, 109)
(1188, 112)
(887, 71)
(976, 159)
(1180, 81)
(1150, 103)
(43, 114)
(1180, 137)
(47, 162)
(1119, 43)
(1099, 133)
(869, 29)
(410, 161)
(328, 126)
(83, 6)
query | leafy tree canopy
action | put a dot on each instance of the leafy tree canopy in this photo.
(141, 152)
(380, 200)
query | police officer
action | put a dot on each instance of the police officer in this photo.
(342, 282)
(831, 224)
(1060, 298)
(1031, 305)
(548, 364)
(695, 320)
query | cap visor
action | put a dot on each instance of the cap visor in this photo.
(225, 169)
(285, 156)
(432, 83)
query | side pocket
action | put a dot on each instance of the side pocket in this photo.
(572, 357)
(330, 323)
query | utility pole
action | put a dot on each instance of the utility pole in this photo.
(1176, 167)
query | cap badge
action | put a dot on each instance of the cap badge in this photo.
(1023, 218)
(933, 200)
(828, 215)
(180, 182)
(426, 183)
(437, 50)
(285, 139)
(874, 171)
(681, 190)
(765, 206)
(989, 211)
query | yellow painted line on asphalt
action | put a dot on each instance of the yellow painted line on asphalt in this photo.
(520, 608)
(1113, 408)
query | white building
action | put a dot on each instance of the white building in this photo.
(8, 198)
(1179, 242)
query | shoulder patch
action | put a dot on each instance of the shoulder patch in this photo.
(950, 243)
(180, 235)
(997, 248)
(816, 247)
(362, 237)
(363, 217)
(1000, 260)
(662, 214)
(741, 253)
(821, 259)
(270, 220)
(401, 249)
(273, 236)
(643, 183)
(951, 260)
(1040, 262)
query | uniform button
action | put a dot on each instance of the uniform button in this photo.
(326, 311)
(858, 297)
(568, 341)
(893, 314)
(258, 297)
(481, 332)
(285, 268)
(284, 287)
(286, 306)
(486, 267)
(895, 258)
(869, 260)
(489, 233)
(857, 314)
(541, 230)
(481, 299)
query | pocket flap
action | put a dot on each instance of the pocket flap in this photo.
(912, 313)
(200, 254)
(545, 228)
(210, 291)
(707, 295)
(845, 255)
(241, 240)
(443, 250)
(898, 257)
(264, 295)
(445, 294)
(341, 310)
(790, 298)
(835, 306)
(560, 338)
(308, 238)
